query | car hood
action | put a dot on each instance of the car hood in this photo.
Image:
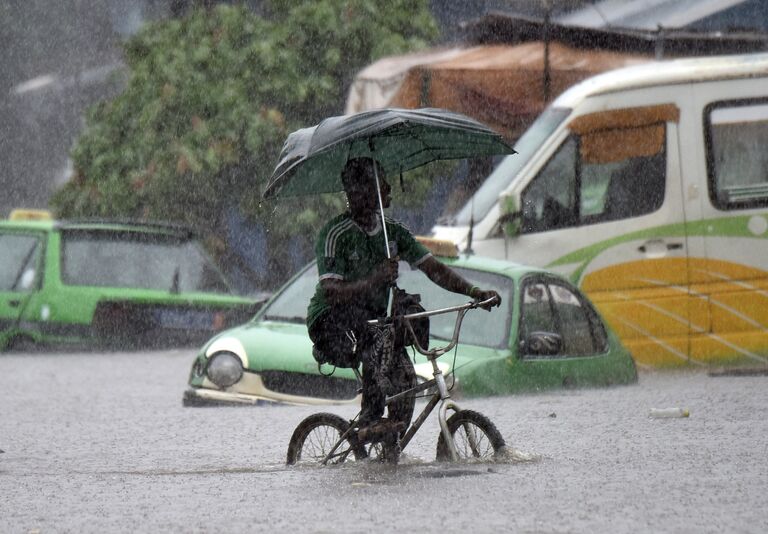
(270, 345)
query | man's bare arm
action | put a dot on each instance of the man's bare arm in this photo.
(450, 280)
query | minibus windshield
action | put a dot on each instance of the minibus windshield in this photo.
(486, 196)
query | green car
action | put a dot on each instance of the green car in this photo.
(546, 334)
(119, 284)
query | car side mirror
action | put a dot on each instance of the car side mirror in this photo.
(543, 344)
(511, 216)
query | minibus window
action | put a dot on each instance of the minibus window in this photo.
(549, 202)
(598, 176)
(488, 194)
(737, 134)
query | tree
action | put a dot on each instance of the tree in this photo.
(209, 100)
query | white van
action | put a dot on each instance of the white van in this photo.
(648, 187)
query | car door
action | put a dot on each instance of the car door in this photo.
(20, 255)
(560, 338)
(606, 210)
(733, 276)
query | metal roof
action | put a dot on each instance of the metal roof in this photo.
(690, 14)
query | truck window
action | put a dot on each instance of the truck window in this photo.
(605, 175)
(139, 260)
(18, 258)
(737, 162)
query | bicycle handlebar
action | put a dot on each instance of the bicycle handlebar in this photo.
(462, 309)
(429, 313)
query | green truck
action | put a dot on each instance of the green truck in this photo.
(120, 284)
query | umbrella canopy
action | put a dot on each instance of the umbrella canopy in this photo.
(400, 139)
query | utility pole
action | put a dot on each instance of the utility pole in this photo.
(545, 38)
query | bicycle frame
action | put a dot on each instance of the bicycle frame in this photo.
(442, 395)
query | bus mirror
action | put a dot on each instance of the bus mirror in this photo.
(511, 214)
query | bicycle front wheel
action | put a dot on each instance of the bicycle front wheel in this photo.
(317, 435)
(474, 436)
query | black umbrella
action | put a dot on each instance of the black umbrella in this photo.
(399, 139)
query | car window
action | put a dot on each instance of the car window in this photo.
(555, 307)
(588, 181)
(575, 327)
(291, 303)
(138, 260)
(18, 259)
(479, 327)
(737, 162)
(537, 312)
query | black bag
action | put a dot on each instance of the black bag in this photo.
(340, 335)
(405, 304)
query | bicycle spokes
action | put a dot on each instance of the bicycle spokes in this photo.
(471, 442)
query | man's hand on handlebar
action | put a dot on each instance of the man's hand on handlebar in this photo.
(481, 295)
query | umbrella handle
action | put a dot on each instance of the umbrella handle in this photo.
(381, 209)
(390, 298)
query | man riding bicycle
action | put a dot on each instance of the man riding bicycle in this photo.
(355, 276)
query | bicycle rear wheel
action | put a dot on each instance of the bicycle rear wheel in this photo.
(474, 436)
(316, 435)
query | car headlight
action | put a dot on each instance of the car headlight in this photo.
(224, 369)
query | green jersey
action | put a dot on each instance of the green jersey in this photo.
(345, 251)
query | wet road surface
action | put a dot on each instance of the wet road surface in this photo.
(101, 443)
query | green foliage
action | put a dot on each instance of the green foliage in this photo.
(210, 99)
(337, 38)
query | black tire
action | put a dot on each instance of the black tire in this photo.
(466, 424)
(22, 343)
(316, 435)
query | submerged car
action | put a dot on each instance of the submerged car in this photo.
(546, 334)
(119, 284)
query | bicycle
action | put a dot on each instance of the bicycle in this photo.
(327, 438)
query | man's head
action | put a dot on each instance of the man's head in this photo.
(359, 183)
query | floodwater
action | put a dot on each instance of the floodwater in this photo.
(101, 443)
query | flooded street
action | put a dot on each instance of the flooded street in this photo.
(102, 443)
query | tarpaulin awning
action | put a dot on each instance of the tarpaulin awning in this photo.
(500, 85)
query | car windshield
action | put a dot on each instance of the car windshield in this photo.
(487, 195)
(138, 260)
(479, 327)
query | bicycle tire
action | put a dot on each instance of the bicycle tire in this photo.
(316, 435)
(488, 440)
